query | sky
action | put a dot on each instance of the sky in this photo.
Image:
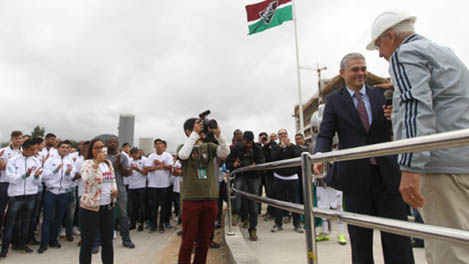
(74, 66)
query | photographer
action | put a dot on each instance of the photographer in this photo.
(200, 188)
(247, 153)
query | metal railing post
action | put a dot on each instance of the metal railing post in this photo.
(228, 202)
(310, 230)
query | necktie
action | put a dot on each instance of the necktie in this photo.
(363, 117)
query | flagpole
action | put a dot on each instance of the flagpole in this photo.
(300, 100)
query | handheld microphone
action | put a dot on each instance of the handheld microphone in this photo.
(388, 96)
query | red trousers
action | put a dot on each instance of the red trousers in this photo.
(197, 223)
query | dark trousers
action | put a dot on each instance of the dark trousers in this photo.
(18, 205)
(251, 185)
(3, 201)
(221, 198)
(90, 223)
(268, 179)
(157, 201)
(70, 212)
(286, 190)
(197, 223)
(36, 213)
(169, 204)
(137, 201)
(377, 202)
(54, 210)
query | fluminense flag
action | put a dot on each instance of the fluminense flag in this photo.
(267, 14)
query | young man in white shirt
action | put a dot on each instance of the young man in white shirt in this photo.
(56, 170)
(49, 151)
(159, 166)
(7, 153)
(23, 174)
(137, 188)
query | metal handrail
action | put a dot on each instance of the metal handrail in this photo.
(400, 227)
(457, 138)
(438, 141)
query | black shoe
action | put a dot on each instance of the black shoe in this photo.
(3, 254)
(55, 244)
(42, 248)
(417, 243)
(69, 237)
(95, 249)
(161, 229)
(213, 244)
(140, 228)
(24, 249)
(128, 244)
(218, 224)
(179, 233)
(132, 226)
(14, 247)
(152, 230)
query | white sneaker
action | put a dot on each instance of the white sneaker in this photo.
(115, 235)
(62, 233)
(76, 231)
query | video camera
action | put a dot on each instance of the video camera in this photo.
(208, 123)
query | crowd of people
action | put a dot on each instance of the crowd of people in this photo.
(47, 183)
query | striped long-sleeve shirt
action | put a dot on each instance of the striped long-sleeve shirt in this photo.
(431, 96)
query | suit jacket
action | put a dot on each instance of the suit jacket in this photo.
(341, 116)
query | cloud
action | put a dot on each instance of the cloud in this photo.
(73, 67)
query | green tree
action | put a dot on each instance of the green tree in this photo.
(38, 131)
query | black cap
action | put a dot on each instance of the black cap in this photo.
(248, 135)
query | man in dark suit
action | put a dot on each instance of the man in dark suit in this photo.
(370, 186)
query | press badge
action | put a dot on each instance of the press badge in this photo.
(202, 173)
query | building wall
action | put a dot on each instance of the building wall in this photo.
(146, 144)
(126, 129)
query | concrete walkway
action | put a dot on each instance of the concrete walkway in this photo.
(146, 250)
(288, 247)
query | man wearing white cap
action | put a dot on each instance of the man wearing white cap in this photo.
(431, 96)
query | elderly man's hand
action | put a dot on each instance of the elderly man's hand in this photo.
(387, 109)
(409, 188)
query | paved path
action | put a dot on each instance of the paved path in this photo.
(146, 250)
(289, 247)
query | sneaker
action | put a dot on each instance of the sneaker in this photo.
(161, 229)
(55, 244)
(76, 231)
(218, 224)
(235, 219)
(245, 224)
(213, 244)
(252, 235)
(140, 228)
(299, 229)
(69, 237)
(168, 226)
(276, 228)
(322, 237)
(341, 239)
(179, 233)
(62, 233)
(42, 249)
(24, 249)
(128, 244)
